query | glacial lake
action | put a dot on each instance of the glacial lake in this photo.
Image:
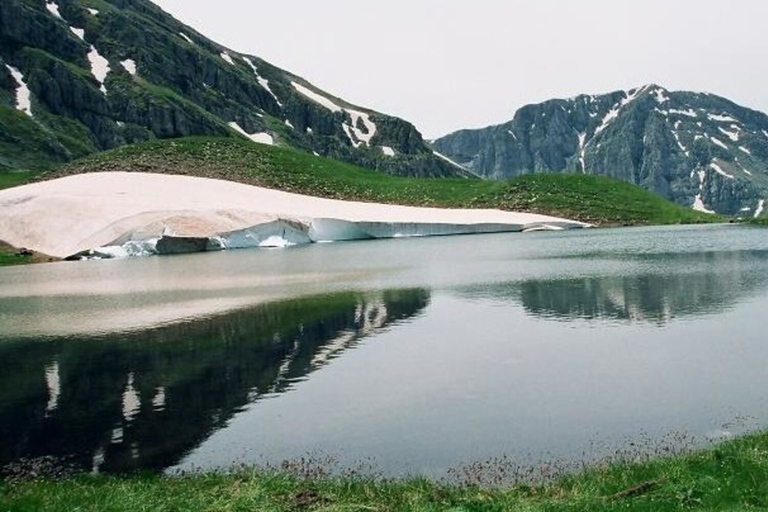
(410, 356)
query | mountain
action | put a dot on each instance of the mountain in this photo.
(696, 149)
(80, 76)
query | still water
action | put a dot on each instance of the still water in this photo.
(413, 355)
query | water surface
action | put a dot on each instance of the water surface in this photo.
(416, 355)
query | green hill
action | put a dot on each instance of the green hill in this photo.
(593, 199)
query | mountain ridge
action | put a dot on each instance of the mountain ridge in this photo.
(80, 76)
(697, 149)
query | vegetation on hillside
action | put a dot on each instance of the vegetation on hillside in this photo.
(731, 476)
(600, 201)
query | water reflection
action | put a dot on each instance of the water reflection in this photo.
(142, 400)
(660, 288)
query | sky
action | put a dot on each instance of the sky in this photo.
(458, 64)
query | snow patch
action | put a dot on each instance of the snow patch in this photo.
(512, 134)
(760, 208)
(388, 151)
(719, 170)
(582, 151)
(661, 97)
(94, 12)
(680, 144)
(688, 113)
(262, 81)
(227, 58)
(721, 118)
(53, 8)
(698, 202)
(186, 38)
(129, 65)
(317, 98)
(23, 94)
(357, 135)
(718, 142)
(745, 150)
(734, 136)
(99, 67)
(261, 138)
(79, 32)
(629, 97)
(443, 157)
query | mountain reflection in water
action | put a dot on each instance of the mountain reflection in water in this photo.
(142, 400)
(680, 285)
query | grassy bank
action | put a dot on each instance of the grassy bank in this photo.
(10, 179)
(732, 476)
(597, 200)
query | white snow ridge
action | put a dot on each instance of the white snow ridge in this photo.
(23, 94)
(186, 38)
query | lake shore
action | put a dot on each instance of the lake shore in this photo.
(729, 476)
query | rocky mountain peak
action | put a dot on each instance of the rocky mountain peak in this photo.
(697, 149)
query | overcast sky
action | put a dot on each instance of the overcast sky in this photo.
(464, 64)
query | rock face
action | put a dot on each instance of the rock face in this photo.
(98, 74)
(698, 150)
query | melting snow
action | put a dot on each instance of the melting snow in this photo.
(262, 81)
(53, 8)
(689, 113)
(317, 98)
(765, 133)
(226, 57)
(289, 124)
(129, 65)
(512, 134)
(388, 151)
(356, 135)
(718, 142)
(261, 138)
(661, 97)
(680, 144)
(23, 95)
(719, 170)
(443, 157)
(745, 150)
(698, 202)
(186, 38)
(94, 12)
(760, 208)
(79, 32)
(99, 67)
(734, 136)
(721, 118)
(630, 96)
(582, 151)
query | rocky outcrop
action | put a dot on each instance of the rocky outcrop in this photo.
(696, 149)
(123, 71)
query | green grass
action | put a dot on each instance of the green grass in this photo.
(729, 477)
(593, 199)
(10, 179)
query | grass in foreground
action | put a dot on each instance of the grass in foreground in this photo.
(732, 476)
(597, 200)
(10, 179)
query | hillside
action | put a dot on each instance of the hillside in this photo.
(81, 76)
(696, 149)
(592, 199)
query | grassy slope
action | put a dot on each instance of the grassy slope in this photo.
(732, 476)
(592, 199)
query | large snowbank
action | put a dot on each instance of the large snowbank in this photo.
(129, 212)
